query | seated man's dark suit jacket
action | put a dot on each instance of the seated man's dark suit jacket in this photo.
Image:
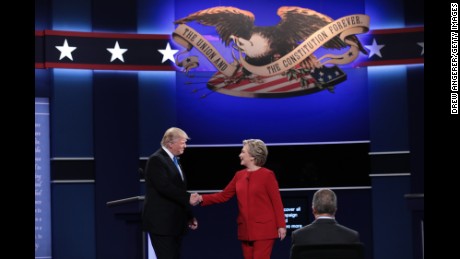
(324, 231)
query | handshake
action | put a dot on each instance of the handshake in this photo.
(195, 199)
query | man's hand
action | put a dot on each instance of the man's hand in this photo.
(195, 199)
(193, 224)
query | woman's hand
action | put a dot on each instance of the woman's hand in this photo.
(281, 233)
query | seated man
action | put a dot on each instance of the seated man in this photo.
(325, 229)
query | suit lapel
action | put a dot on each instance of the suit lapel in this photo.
(172, 167)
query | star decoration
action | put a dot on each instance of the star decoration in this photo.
(374, 48)
(66, 50)
(421, 44)
(117, 52)
(168, 53)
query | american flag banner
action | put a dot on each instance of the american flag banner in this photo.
(91, 50)
(393, 47)
(94, 50)
(124, 51)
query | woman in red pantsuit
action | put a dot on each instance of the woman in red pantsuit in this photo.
(260, 209)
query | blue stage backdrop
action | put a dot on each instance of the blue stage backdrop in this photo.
(214, 118)
(220, 119)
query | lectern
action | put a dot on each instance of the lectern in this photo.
(129, 210)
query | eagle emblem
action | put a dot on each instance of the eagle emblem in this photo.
(267, 53)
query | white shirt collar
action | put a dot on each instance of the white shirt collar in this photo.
(325, 217)
(168, 152)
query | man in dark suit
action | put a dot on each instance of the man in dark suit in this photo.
(325, 229)
(167, 211)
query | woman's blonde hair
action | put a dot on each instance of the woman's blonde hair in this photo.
(258, 150)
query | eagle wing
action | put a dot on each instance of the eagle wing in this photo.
(297, 24)
(227, 20)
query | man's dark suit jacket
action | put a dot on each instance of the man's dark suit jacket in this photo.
(166, 205)
(324, 231)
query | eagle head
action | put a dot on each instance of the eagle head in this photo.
(256, 46)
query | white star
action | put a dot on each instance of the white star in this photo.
(65, 50)
(374, 48)
(117, 52)
(168, 53)
(421, 44)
